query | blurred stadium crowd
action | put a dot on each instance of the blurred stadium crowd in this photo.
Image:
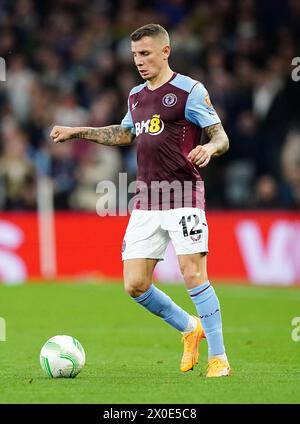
(69, 63)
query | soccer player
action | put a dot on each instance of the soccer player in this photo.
(166, 115)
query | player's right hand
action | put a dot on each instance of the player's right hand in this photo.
(60, 134)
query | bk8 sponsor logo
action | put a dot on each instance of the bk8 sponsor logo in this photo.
(153, 126)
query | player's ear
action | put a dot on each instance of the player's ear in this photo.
(166, 52)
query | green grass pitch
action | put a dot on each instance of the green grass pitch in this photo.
(133, 356)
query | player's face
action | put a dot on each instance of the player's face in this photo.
(149, 56)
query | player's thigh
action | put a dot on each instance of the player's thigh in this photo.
(193, 268)
(188, 231)
(138, 275)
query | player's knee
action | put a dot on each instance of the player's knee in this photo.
(135, 286)
(193, 277)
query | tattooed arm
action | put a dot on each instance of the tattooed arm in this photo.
(113, 135)
(217, 145)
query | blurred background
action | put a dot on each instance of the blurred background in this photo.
(68, 62)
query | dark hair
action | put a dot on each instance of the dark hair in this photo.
(149, 30)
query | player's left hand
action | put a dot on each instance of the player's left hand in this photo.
(200, 156)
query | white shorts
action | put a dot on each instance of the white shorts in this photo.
(149, 232)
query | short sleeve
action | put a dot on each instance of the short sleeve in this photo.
(127, 121)
(199, 109)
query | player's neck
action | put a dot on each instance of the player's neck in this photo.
(160, 79)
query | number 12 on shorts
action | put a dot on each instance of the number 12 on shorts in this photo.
(183, 223)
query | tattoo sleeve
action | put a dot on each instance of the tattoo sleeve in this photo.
(113, 135)
(218, 138)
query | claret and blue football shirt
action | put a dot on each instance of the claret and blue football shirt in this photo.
(167, 123)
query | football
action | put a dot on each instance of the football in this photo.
(62, 356)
